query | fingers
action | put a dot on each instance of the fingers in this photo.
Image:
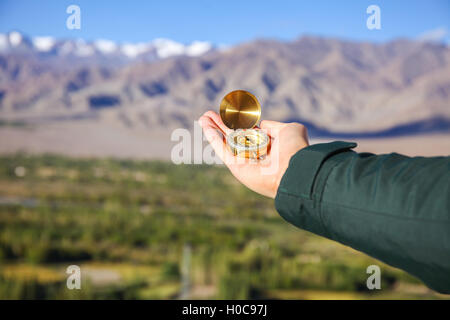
(272, 128)
(218, 121)
(215, 137)
(269, 124)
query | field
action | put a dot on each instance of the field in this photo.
(154, 230)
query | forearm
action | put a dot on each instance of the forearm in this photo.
(391, 207)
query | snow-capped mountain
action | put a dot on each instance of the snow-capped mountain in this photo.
(160, 48)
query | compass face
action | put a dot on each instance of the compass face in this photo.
(248, 143)
(249, 139)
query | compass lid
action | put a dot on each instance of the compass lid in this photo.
(240, 109)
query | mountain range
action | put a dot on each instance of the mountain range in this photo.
(336, 87)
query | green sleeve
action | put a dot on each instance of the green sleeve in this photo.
(391, 207)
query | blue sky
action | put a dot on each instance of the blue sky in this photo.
(226, 22)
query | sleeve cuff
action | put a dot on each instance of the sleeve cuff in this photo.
(298, 180)
(294, 200)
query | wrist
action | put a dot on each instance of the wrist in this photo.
(284, 165)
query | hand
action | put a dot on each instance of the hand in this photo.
(262, 176)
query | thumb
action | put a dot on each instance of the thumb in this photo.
(272, 128)
(269, 124)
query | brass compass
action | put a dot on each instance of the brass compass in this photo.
(241, 111)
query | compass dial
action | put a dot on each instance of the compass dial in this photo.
(248, 143)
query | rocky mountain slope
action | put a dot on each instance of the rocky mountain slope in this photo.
(335, 86)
